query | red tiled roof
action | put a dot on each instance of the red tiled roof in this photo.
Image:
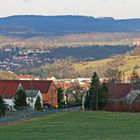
(119, 90)
(8, 89)
(42, 85)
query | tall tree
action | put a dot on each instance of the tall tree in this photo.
(103, 95)
(20, 99)
(2, 107)
(97, 94)
(93, 93)
(38, 105)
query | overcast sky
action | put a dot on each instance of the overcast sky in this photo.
(96, 8)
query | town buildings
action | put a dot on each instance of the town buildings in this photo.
(33, 88)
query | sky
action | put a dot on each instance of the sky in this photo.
(98, 8)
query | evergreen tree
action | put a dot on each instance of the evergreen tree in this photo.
(91, 101)
(103, 95)
(97, 94)
(38, 105)
(2, 107)
(20, 99)
(60, 97)
(87, 101)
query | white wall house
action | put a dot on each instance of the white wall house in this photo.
(31, 97)
(9, 103)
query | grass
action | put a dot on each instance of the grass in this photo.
(130, 63)
(76, 126)
(93, 64)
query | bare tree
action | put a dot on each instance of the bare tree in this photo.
(134, 78)
(114, 75)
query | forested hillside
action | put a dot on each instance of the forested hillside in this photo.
(29, 26)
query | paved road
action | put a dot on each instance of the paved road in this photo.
(30, 115)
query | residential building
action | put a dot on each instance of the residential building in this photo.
(31, 97)
(123, 97)
(47, 88)
(8, 91)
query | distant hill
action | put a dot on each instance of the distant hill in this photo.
(29, 26)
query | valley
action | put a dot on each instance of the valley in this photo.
(41, 45)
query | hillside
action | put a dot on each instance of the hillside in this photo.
(29, 26)
(60, 31)
(82, 38)
(125, 63)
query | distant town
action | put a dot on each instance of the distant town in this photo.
(12, 58)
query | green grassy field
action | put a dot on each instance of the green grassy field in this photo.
(76, 126)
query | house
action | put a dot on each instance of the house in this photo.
(8, 91)
(46, 87)
(123, 97)
(31, 97)
(136, 104)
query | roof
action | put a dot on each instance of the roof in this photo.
(31, 93)
(8, 89)
(119, 90)
(42, 85)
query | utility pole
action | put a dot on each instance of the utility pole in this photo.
(97, 98)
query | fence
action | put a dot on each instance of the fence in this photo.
(29, 115)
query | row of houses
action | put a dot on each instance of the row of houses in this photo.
(46, 89)
(122, 96)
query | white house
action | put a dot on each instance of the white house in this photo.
(31, 97)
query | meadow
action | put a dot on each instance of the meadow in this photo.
(129, 61)
(75, 126)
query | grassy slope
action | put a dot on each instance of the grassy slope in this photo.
(76, 126)
(94, 64)
(7, 76)
(130, 63)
